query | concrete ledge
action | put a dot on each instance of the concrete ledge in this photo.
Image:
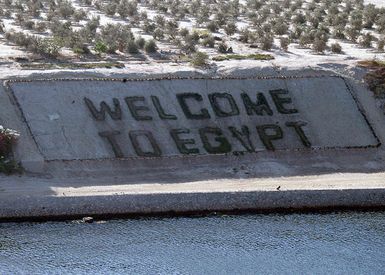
(330, 192)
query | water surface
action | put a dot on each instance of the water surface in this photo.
(338, 243)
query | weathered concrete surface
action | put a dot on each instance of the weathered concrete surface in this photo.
(344, 168)
(26, 199)
(69, 113)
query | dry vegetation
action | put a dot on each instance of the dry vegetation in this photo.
(175, 30)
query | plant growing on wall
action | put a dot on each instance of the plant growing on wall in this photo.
(7, 138)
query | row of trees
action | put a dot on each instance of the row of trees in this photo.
(310, 24)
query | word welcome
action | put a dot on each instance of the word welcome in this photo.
(191, 106)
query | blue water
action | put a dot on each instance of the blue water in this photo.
(339, 243)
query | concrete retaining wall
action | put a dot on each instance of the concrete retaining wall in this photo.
(123, 131)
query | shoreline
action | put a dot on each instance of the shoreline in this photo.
(271, 195)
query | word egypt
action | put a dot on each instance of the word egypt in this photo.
(267, 118)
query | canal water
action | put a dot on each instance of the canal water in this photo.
(334, 243)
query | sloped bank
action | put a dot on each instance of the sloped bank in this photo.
(186, 142)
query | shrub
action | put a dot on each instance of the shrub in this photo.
(208, 42)
(115, 36)
(2, 28)
(100, 47)
(305, 40)
(41, 27)
(280, 27)
(65, 9)
(79, 15)
(212, 26)
(199, 59)
(319, 45)
(245, 35)
(352, 34)
(230, 28)
(123, 9)
(45, 46)
(336, 48)
(80, 49)
(132, 47)
(366, 40)
(381, 45)
(184, 32)
(284, 43)
(8, 137)
(158, 34)
(140, 42)
(171, 28)
(370, 15)
(150, 46)
(223, 48)
(159, 20)
(110, 9)
(266, 42)
(29, 25)
(189, 45)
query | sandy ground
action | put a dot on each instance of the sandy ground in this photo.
(379, 3)
(16, 186)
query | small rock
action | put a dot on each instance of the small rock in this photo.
(88, 219)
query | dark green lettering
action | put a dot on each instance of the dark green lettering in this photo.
(223, 147)
(280, 101)
(217, 107)
(244, 137)
(204, 114)
(110, 136)
(134, 137)
(162, 114)
(104, 107)
(135, 110)
(181, 143)
(297, 125)
(258, 107)
(267, 138)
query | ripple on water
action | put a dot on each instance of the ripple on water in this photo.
(351, 243)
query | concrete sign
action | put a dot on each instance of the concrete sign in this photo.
(103, 119)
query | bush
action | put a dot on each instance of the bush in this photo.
(29, 25)
(2, 28)
(212, 26)
(199, 59)
(65, 9)
(41, 27)
(352, 34)
(80, 49)
(160, 20)
(150, 46)
(115, 36)
(45, 46)
(100, 47)
(110, 9)
(366, 40)
(158, 34)
(132, 47)
(381, 45)
(266, 42)
(284, 43)
(140, 42)
(208, 42)
(7, 138)
(319, 45)
(79, 15)
(230, 28)
(184, 32)
(336, 48)
(223, 48)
